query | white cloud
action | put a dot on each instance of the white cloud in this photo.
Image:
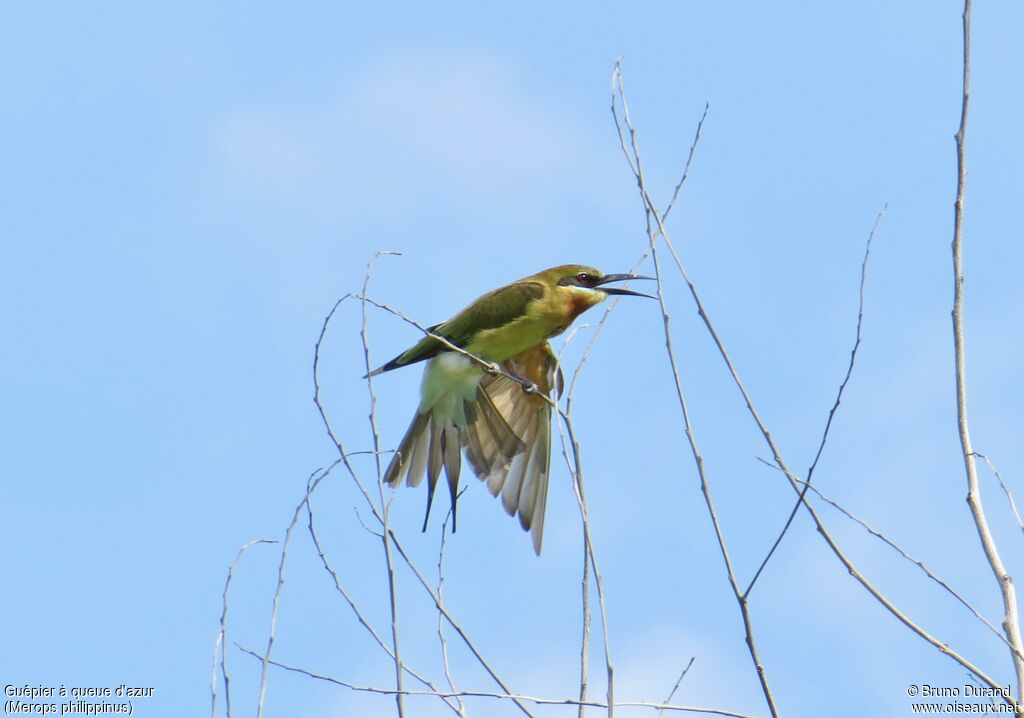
(467, 118)
(413, 127)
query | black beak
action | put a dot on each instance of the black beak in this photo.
(621, 278)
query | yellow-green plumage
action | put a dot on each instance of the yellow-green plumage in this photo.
(505, 432)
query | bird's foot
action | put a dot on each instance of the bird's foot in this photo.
(494, 369)
(528, 386)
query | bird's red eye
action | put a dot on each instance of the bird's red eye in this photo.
(583, 277)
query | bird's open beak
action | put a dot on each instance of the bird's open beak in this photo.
(621, 278)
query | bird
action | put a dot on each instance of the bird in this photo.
(502, 423)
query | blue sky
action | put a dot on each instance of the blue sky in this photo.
(186, 191)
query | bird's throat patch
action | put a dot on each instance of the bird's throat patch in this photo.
(582, 299)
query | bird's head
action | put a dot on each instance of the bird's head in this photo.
(584, 281)
(581, 287)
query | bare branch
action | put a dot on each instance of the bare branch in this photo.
(320, 474)
(1011, 619)
(367, 529)
(572, 463)
(835, 405)
(222, 635)
(581, 500)
(794, 482)
(439, 604)
(570, 396)
(686, 167)
(384, 512)
(651, 214)
(904, 554)
(440, 617)
(679, 681)
(517, 698)
(340, 588)
(1004, 487)
(585, 638)
(317, 400)
(575, 468)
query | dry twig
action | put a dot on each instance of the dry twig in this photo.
(679, 681)
(1011, 618)
(311, 485)
(384, 506)
(1004, 487)
(794, 482)
(902, 553)
(440, 616)
(219, 645)
(518, 698)
(340, 588)
(652, 215)
(835, 405)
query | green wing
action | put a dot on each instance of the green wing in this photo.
(492, 310)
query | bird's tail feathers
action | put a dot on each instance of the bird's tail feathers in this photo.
(432, 443)
(411, 458)
(393, 364)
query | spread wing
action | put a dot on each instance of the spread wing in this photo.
(492, 310)
(521, 479)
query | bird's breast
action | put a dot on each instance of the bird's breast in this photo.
(504, 342)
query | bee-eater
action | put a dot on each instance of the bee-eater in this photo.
(505, 431)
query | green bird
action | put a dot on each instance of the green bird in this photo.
(504, 431)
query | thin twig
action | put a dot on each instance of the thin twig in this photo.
(595, 334)
(679, 681)
(222, 636)
(367, 529)
(340, 588)
(1011, 620)
(572, 464)
(385, 508)
(311, 485)
(585, 580)
(515, 697)
(1005, 488)
(588, 543)
(585, 638)
(318, 402)
(651, 214)
(439, 604)
(686, 167)
(795, 482)
(835, 405)
(440, 617)
(903, 553)
(575, 466)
